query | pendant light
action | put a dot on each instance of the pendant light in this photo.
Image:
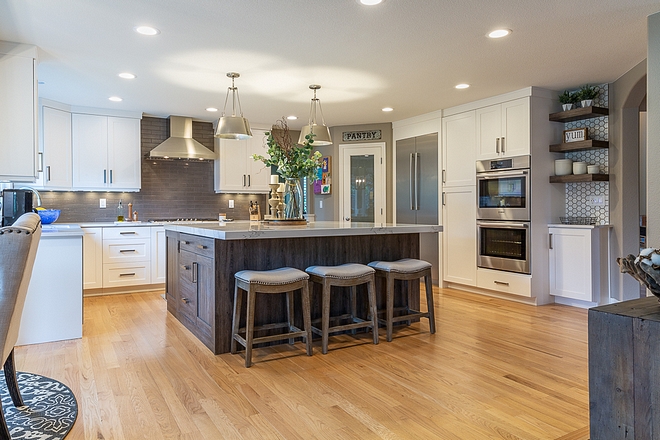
(233, 127)
(321, 131)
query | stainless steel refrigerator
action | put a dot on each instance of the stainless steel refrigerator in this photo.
(417, 191)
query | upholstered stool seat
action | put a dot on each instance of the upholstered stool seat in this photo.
(283, 280)
(346, 275)
(406, 270)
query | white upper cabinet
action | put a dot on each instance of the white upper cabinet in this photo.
(503, 130)
(106, 153)
(458, 140)
(236, 171)
(55, 139)
(18, 112)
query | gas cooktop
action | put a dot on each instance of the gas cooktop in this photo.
(182, 220)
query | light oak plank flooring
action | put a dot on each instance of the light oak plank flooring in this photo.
(495, 369)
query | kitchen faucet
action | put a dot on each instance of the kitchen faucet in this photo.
(35, 193)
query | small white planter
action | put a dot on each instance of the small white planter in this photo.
(587, 102)
(567, 107)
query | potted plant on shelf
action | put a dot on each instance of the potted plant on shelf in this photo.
(587, 93)
(294, 162)
(567, 99)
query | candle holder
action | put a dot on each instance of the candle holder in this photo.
(275, 200)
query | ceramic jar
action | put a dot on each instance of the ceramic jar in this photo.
(579, 168)
(593, 169)
(563, 167)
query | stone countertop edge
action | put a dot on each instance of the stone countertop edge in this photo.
(242, 230)
(116, 224)
(562, 225)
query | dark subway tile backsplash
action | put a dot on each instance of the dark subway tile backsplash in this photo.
(170, 189)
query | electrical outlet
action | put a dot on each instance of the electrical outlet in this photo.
(596, 200)
(231, 203)
(321, 204)
(102, 203)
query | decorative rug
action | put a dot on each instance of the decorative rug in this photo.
(50, 408)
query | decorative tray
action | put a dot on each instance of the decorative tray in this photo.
(578, 220)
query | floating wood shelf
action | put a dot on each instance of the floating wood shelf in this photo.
(579, 146)
(580, 178)
(578, 114)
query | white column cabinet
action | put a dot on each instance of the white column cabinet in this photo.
(458, 150)
(106, 153)
(236, 171)
(92, 258)
(158, 255)
(578, 262)
(55, 148)
(459, 257)
(503, 130)
(18, 112)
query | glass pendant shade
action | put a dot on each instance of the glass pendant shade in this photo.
(233, 127)
(321, 131)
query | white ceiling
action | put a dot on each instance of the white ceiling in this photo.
(405, 54)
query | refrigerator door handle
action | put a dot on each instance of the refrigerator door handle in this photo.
(410, 182)
(417, 182)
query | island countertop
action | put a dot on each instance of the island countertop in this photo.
(241, 230)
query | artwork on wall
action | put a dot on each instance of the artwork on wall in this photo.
(323, 182)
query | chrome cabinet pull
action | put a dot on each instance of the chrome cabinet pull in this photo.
(497, 145)
(105, 176)
(127, 250)
(128, 233)
(444, 200)
(550, 241)
(243, 179)
(41, 163)
(417, 182)
(185, 300)
(501, 283)
(110, 176)
(48, 173)
(410, 182)
(503, 144)
(249, 181)
(444, 176)
(194, 272)
(131, 274)
(201, 246)
(184, 267)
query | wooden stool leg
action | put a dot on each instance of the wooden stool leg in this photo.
(249, 326)
(389, 299)
(12, 383)
(371, 291)
(307, 317)
(409, 294)
(238, 298)
(353, 307)
(289, 313)
(325, 316)
(429, 302)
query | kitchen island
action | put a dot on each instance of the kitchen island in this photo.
(202, 259)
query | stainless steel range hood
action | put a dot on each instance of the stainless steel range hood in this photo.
(180, 144)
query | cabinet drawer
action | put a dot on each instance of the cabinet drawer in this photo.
(507, 282)
(120, 274)
(119, 251)
(198, 245)
(126, 232)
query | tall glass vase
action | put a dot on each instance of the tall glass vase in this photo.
(293, 199)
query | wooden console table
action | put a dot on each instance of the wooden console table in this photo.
(624, 370)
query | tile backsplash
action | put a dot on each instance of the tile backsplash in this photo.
(170, 189)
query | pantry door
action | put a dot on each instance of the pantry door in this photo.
(363, 184)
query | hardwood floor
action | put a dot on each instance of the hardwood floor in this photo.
(494, 369)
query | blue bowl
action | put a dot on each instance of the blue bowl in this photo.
(48, 216)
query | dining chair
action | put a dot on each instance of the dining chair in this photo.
(18, 249)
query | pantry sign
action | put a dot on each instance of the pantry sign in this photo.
(367, 135)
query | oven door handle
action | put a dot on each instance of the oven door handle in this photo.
(503, 225)
(500, 174)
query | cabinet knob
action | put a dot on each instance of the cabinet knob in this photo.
(185, 300)
(201, 246)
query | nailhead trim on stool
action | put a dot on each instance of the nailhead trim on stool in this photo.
(283, 280)
(353, 275)
(406, 269)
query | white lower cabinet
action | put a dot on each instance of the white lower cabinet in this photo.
(92, 258)
(459, 250)
(578, 262)
(158, 255)
(507, 282)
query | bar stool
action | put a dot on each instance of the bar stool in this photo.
(353, 275)
(283, 280)
(406, 270)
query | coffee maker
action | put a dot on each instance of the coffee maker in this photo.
(15, 202)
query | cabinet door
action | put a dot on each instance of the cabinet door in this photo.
(205, 292)
(197, 290)
(18, 143)
(458, 145)
(516, 127)
(124, 164)
(231, 166)
(158, 255)
(92, 258)
(90, 151)
(259, 174)
(172, 281)
(56, 148)
(570, 263)
(489, 132)
(459, 219)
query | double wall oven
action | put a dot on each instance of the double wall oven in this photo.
(504, 214)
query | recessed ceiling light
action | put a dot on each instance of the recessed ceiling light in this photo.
(126, 75)
(115, 98)
(292, 118)
(388, 109)
(499, 33)
(462, 86)
(146, 30)
(211, 109)
(370, 2)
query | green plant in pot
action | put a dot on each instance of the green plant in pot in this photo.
(567, 99)
(293, 162)
(587, 94)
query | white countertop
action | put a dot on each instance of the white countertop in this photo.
(59, 230)
(562, 225)
(116, 224)
(241, 230)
